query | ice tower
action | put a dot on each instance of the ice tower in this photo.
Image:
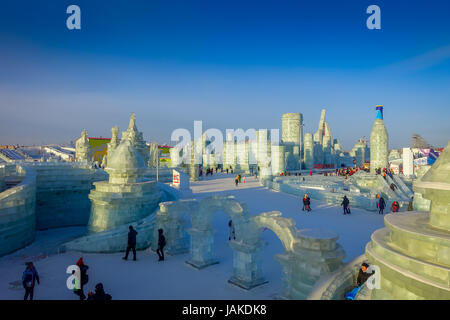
(378, 143)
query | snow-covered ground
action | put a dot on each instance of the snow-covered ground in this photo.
(173, 279)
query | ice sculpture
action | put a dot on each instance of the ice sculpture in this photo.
(309, 254)
(83, 148)
(127, 196)
(136, 138)
(112, 145)
(413, 250)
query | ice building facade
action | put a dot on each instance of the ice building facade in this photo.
(271, 155)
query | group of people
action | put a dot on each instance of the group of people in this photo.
(238, 179)
(381, 205)
(306, 203)
(131, 246)
(30, 276)
(384, 172)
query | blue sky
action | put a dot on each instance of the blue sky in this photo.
(231, 64)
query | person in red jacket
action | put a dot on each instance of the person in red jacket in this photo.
(395, 206)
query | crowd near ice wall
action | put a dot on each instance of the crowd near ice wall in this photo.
(17, 209)
(329, 196)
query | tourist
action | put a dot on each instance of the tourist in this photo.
(236, 181)
(131, 243)
(395, 206)
(29, 277)
(99, 294)
(161, 245)
(345, 203)
(381, 205)
(232, 231)
(410, 204)
(363, 276)
(310, 173)
(239, 176)
(84, 278)
(306, 202)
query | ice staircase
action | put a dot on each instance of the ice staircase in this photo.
(402, 185)
(401, 196)
(386, 189)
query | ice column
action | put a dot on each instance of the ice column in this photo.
(378, 143)
(309, 151)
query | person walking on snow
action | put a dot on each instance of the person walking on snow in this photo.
(29, 277)
(232, 231)
(345, 203)
(161, 245)
(306, 203)
(381, 205)
(84, 278)
(131, 243)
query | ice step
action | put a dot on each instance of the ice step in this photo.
(412, 235)
(428, 273)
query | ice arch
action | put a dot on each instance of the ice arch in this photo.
(309, 253)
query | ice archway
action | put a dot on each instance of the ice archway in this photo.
(309, 253)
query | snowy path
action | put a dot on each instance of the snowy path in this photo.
(173, 279)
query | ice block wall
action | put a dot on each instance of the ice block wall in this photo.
(17, 212)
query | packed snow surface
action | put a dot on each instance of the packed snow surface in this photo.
(173, 278)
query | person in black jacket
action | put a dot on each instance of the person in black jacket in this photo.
(161, 245)
(345, 203)
(29, 277)
(131, 243)
(99, 294)
(363, 275)
(381, 205)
